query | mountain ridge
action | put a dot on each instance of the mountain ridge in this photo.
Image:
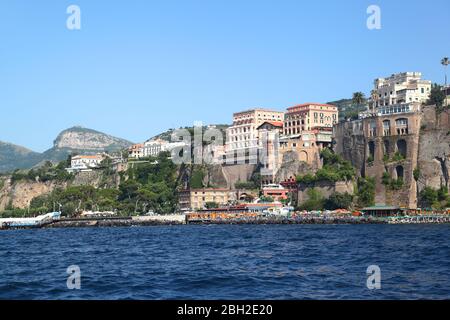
(76, 139)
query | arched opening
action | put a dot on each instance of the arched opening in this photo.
(386, 128)
(371, 147)
(399, 172)
(386, 147)
(303, 156)
(402, 148)
(401, 125)
(372, 129)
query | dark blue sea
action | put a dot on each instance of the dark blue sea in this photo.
(227, 262)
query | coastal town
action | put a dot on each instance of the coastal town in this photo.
(306, 159)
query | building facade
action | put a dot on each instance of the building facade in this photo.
(400, 88)
(242, 137)
(136, 151)
(85, 162)
(199, 198)
(304, 117)
(276, 191)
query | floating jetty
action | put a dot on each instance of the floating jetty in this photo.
(27, 223)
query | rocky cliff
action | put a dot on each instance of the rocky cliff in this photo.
(73, 140)
(20, 194)
(83, 140)
(434, 149)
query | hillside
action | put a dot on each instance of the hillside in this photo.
(83, 140)
(73, 140)
(16, 157)
(166, 135)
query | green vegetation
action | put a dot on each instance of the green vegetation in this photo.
(334, 169)
(416, 173)
(349, 109)
(253, 184)
(398, 157)
(437, 97)
(370, 160)
(366, 192)
(339, 201)
(249, 185)
(430, 198)
(197, 178)
(315, 201)
(392, 184)
(265, 199)
(146, 186)
(358, 98)
(211, 205)
(47, 172)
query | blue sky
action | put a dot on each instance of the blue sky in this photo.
(139, 67)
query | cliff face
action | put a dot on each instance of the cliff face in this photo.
(87, 139)
(291, 167)
(434, 149)
(82, 140)
(426, 148)
(350, 143)
(20, 194)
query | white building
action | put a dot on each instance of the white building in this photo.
(85, 162)
(153, 147)
(242, 136)
(400, 88)
(136, 151)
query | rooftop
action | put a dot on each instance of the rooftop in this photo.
(311, 104)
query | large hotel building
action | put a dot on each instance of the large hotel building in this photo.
(304, 117)
(242, 137)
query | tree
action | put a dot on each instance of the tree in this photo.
(211, 205)
(445, 62)
(197, 179)
(339, 201)
(315, 201)
(265, 199)
(428, 197)
(366, 192)
(437, 96)
(358, 98)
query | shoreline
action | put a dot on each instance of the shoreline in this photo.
(177, 220)
(127, 222)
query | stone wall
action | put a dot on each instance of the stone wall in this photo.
(238, 173)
